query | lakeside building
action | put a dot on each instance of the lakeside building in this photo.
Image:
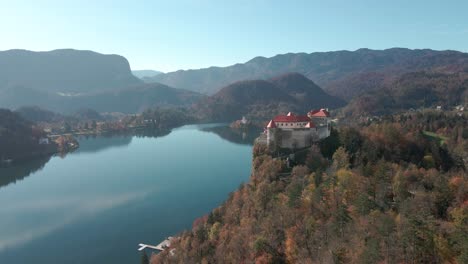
(298, 131)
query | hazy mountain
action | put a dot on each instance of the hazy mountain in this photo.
(261, 99)
(142, 74)
(69, 80)
(64, 71)
(341, 73)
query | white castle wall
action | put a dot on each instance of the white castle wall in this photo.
(286, 125)
(296, 135)
(323, 132)
(295, 138)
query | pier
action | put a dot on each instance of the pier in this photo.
(161, 246)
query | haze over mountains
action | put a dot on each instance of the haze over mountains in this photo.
(69, 80)
(65, 71)
(341, 73)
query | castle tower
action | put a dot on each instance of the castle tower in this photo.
(271, 132)
(321, 118)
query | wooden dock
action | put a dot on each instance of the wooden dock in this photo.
(161, 246)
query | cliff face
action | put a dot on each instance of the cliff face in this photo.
(377, 194)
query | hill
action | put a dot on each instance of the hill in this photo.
(19, 139)
(259, 99)
(341, 73)
(412, 90)
(64, 71)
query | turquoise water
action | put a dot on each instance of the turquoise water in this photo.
(95, 205)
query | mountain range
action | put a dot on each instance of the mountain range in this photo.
(342, 73)
(369, 80)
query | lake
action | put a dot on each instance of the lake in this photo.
(97, 204)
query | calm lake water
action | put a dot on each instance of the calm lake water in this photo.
(95, 205)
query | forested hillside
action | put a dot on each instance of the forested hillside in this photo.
(412, 90)
(261, 99)
(19, 139)
(393, 191)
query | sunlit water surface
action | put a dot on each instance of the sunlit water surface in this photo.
(95, 205)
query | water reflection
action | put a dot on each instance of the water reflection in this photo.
(113, 140)
(90, 144)
(116, 191)
(238, 136)
(18, 172)
(94, 143)
(59, 213)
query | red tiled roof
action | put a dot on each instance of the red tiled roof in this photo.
(319, 113)
(291, 118)
(271, 124)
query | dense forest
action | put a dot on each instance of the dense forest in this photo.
(390, 191)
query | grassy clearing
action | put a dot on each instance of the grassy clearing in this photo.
(435, 136)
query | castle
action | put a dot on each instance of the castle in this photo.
(298, 131)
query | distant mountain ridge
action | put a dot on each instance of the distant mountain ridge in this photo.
(142, 74)
(65, 71)
(67, 80)
(341, 73)
(261, 99)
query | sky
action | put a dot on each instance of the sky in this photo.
(191, 34)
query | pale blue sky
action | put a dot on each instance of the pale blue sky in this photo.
(172, 35)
